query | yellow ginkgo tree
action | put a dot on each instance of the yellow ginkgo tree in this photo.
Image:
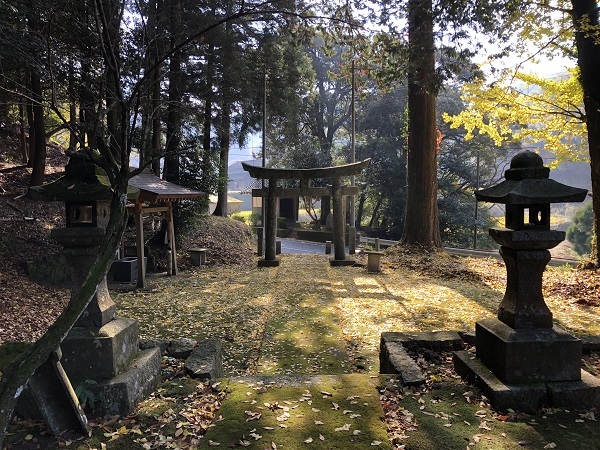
(528, 108)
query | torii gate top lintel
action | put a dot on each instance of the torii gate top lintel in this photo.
(269, 173)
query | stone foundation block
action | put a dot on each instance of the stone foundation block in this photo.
(268, 263)
(120, 395)
(341, 262)
(528, 398)
(582, 394)
(528, 355)
(100, 353)
(434, 340)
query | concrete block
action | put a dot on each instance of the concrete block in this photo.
(121, 394)
(206, 360)
(374, 261)
(198, 256)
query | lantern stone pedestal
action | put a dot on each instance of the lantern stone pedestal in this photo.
(101, 346)
(523, 361)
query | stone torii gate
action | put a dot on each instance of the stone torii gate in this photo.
(337, 192)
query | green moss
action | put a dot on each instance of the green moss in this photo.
(445, 419)
(289, 411)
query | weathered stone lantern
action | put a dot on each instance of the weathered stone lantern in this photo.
(101, 346)
(532, 359)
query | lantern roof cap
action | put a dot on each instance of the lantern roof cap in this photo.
(83, 181)
(527, 182)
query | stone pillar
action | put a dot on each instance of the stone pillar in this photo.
(80, 246)
(523, 305)
(270, 259)
(351, 240)
(338, 225)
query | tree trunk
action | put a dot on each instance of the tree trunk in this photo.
(375, 212)
(156, 27)
(224, 141)
(31, 127)
(207, 156)
(360, 209)
(171, 170)
(225, 125)
(588, 59)
(72, 109)
(421, 225)
(22, 137)
(39, 144)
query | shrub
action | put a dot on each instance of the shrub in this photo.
(580, 232)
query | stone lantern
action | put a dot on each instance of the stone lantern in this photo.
(533, 362)
(101, 346)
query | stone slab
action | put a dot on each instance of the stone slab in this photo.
(206, 360)
(395, 360)
(528, 398)
(121, 394)
(528, 355)
(590, 343)
(100, 353)
(162, 344)
(181, 348)
(49, 396)
(434, 340)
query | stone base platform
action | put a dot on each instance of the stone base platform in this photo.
(100, 352)
(525, 356)
(121, 394)
(268, 263)
(341, 262)
(581, 394)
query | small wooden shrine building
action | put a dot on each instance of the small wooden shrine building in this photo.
(156, 195)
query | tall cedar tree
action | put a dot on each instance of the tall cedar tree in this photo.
(421, 225)
(587, 26)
